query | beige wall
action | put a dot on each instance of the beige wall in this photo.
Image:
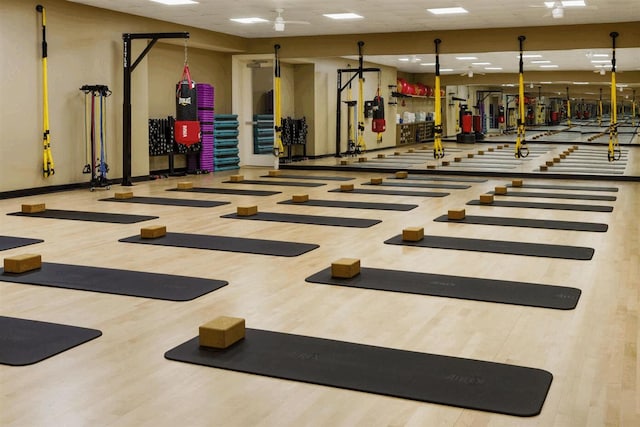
(85, 47)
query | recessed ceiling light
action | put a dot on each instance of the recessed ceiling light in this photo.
(481, 63)
(508, 84)
(446, 69)
(600, 61)
(253, 20)
(580, 83)
(343, 15)
(175, 2)
(566, 3)
(448, 10)
(428, 63)
(541, 61)
(403, 59)
(549, 66)
(531, 55)
(602, 66)
(493, 68)
(545, 83)
(600, 55)
(463, 58)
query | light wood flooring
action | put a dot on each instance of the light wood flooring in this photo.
(122, 378)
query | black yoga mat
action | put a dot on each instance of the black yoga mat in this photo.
(467, 383)
(470, 288)
(10, 242)
(237, 192)
(168, 202)
(525, 222)
(558, 196)
(391, 192)
(114, 218)
(322, 178)
(335, 221)
(228, 244)
(399, 183)
(567, 187)
(553, 206)
(25, 342)
(283, 183)
(353, 205)
(114, 281)
(438, 178)
(498, 247)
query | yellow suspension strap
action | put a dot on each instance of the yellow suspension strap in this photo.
(521, 149)
(614, 152)
(278, 148)
(600, 109)
(362, 146)
(568, 108)
(438, 150)
(352, 133)
(47, 163)
(633, 109)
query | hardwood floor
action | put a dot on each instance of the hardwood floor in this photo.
(122, 378)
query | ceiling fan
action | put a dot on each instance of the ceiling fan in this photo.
(279, 22)
(469, 73)
(557, 7)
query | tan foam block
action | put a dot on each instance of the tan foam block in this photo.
(506, 145)
(470, 155)
(300, 198)
(221, 332)
(362, 159)
(543, 168)
(346, 187)
(345, 268)
(396, 153)
(556, 160)
(274, 172)
(549, 163)
(402, 174)
(499, 147)
(445, 163)
(480, 152)
(413, 234)
(431, 166)
(500, 190)
(376, 181)
(486, 198)
(33, 208)
(457, 159)
(382, 156)
(344, 162)
(456, 214)
(22, 263)
(575, 147)
(410, 150)
(237, 178)
(247, 210)
(563, 156)
(516, 183)
(153, 231)
(570, 150)
(124, 195)
(185, 185)
(490, 150)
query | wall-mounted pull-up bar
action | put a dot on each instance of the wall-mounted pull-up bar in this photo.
(126, 106)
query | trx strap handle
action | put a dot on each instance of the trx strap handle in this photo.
(278, 148)
(47, 158)
(521, 149)
(438, 150)
(361, 144)
(614, 152)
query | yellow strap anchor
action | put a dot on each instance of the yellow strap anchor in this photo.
(47, 159)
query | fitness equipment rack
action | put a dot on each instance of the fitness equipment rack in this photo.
(359, 72)
(128, 68)
(48, 166)
(521, 149)
(96, 166)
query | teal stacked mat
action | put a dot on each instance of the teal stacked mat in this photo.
(263, 133)
(225, 131)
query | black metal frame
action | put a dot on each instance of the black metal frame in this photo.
(128, 68)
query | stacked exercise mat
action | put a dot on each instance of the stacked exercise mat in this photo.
(160, 136)
(263, 133)
(225, 131)
(205, 116)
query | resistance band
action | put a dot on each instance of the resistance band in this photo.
(614, 152)
(521, 149)
(48, 167)
(361, 144)
(438, 150)
(278, 148)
